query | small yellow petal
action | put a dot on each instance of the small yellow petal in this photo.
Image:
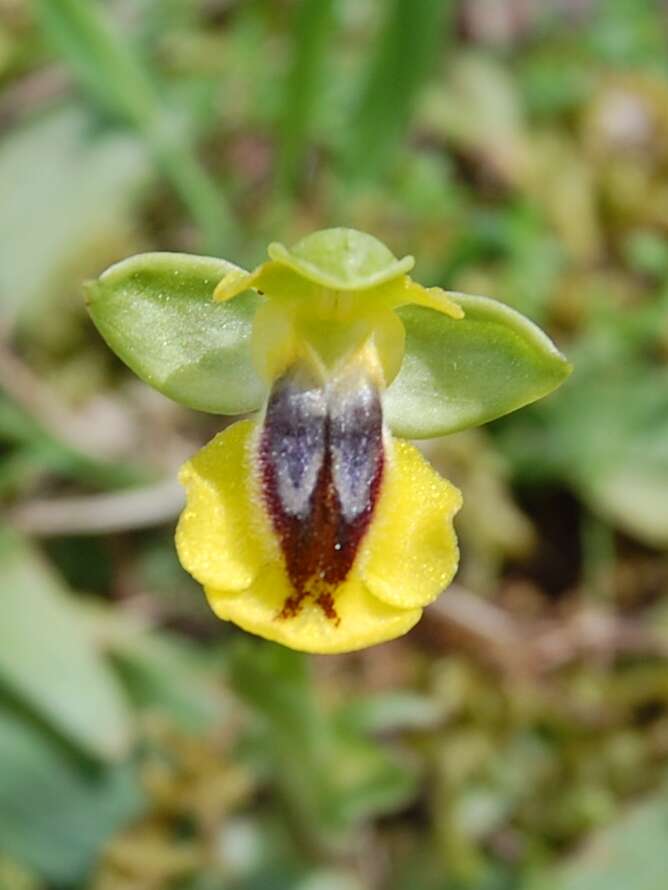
(435, 298)
(363, 619)
(403, 291)
(279, 282)
(235, 282)
(274, 343)
(221, 538)
(389, 337)
(410, 553)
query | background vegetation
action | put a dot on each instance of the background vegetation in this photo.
(518, 738)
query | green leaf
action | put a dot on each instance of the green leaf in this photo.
(157, 313)
(616, 460)
(49, 662)
(163, 671)
(619, 463)
(63, 212)
(461, 373)
(39, 450)
(331, 774)
(631, 853)
(391, 712)
(56, 812)
(120, 79)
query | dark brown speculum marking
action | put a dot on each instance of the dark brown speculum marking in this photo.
(321, 463)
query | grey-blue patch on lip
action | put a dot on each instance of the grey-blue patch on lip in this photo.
(355, 442)
(295, 421)
(321, 460)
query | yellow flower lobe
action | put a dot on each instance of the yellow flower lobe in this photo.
(226, 541)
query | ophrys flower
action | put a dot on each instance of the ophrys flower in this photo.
(311, 525)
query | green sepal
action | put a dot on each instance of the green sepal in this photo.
(341, 259)
(461, 373)
(156, 311)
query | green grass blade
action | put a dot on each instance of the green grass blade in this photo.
(122, 83)
(105, 65)
(406, 50)
(313, 25)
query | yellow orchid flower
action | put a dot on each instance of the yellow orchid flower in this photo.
(311, 525)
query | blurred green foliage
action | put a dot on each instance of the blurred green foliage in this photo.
(518, 738)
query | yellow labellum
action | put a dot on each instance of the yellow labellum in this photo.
(226, 541)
